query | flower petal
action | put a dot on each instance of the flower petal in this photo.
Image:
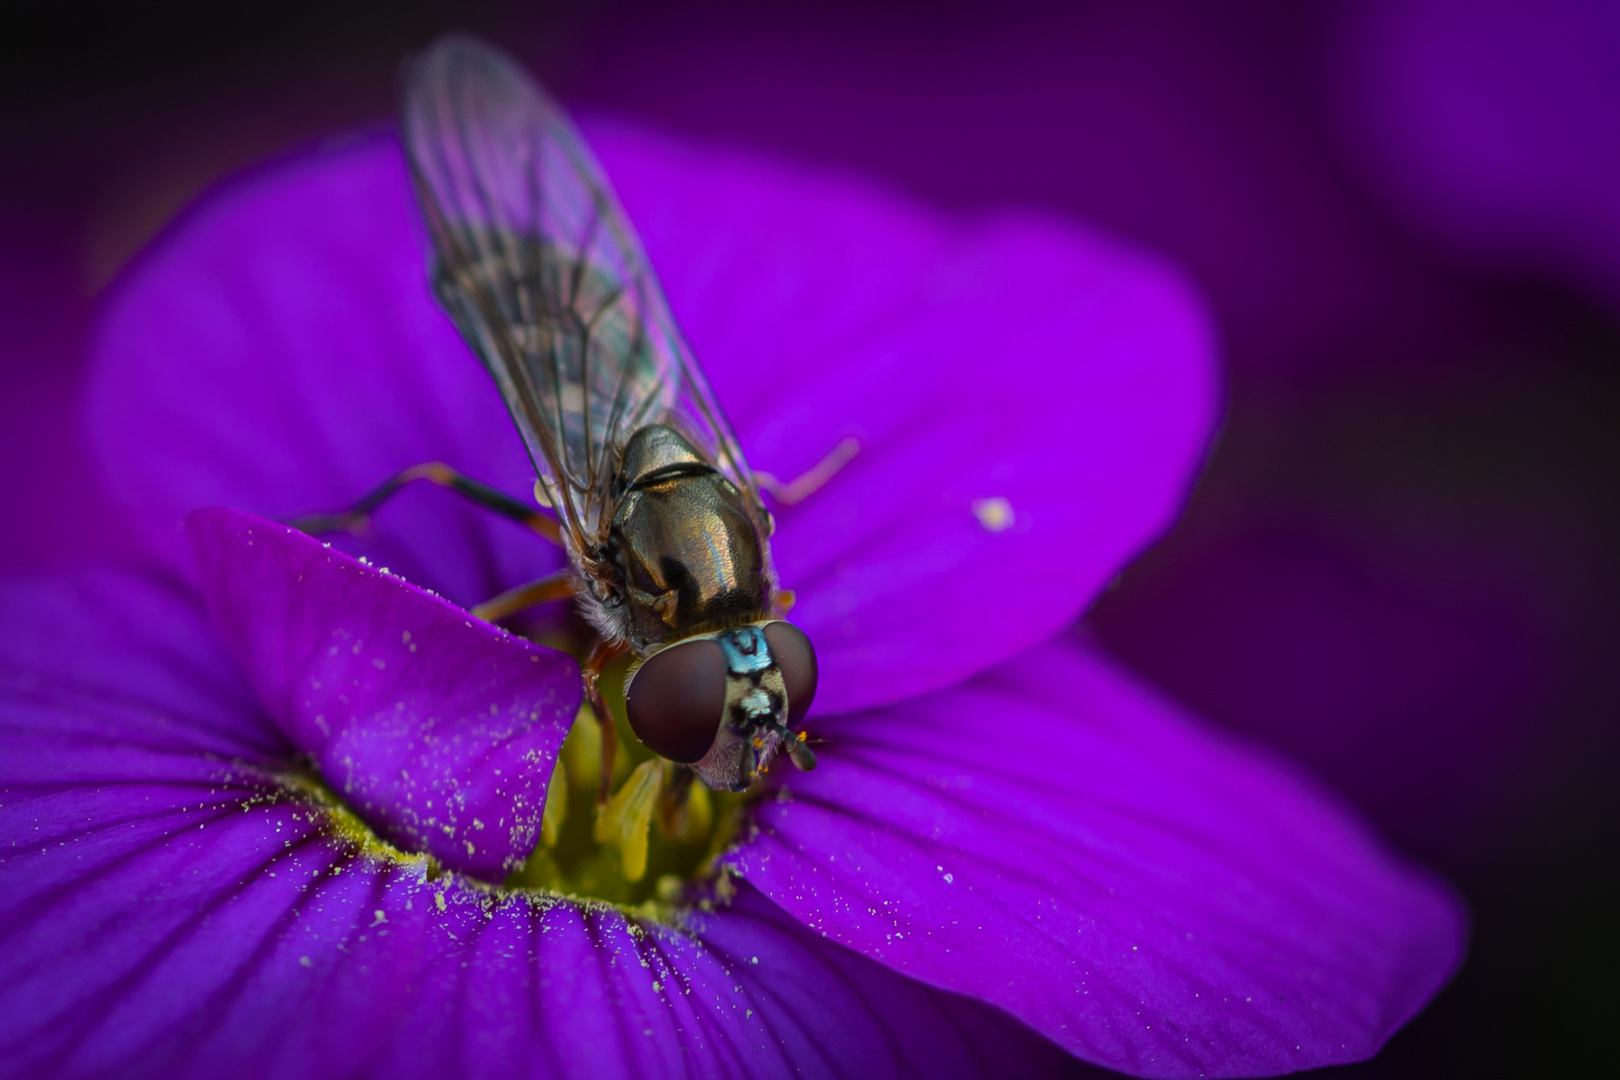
(278, 351)
(1492, 126)
(438, 728)
(1053, 839)
(1019, 388)
(164, 912)
(140, 642)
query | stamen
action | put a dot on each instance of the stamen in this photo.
(669, 889)
(685, 813)
(610, 854)
(654, 847)
(556, 811)
(582, 753)
(625, 819)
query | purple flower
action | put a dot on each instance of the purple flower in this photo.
(1493, 125)
(1011, 851)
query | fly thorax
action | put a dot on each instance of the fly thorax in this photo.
(654, 450)
(690, 556)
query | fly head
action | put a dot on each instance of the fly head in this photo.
(727, 703)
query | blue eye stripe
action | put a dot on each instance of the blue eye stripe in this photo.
(746, 650)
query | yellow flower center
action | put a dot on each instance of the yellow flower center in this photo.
(661, 832)
(651, 850)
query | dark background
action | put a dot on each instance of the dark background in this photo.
(1399, 565)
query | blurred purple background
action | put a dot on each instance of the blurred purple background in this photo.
(1400, 564)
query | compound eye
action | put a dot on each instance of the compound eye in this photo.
(797, 659)
(676, 699)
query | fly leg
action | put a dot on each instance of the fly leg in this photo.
(434, 472)
(812, 479)
(558, 586)
(592, 670)
(799, 489)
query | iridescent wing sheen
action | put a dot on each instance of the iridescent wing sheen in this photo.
(537, 264)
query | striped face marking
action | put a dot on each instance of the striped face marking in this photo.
(756, 693)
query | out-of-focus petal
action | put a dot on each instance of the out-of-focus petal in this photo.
(139, 641)
(1409, 681)
(438, 728)
(1020, 388)
(1053, 839)
(1492, 123)
(168, 911)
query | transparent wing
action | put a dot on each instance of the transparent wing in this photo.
(541, 271)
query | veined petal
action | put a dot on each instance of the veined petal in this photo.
(167, 911)
(1031, 401)
(1053, 839)
(438, 728)
(1019, 387)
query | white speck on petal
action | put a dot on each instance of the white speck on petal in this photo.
(995, 513)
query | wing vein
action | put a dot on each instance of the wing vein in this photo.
(547, 281)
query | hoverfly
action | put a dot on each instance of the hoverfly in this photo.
(666, 532)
